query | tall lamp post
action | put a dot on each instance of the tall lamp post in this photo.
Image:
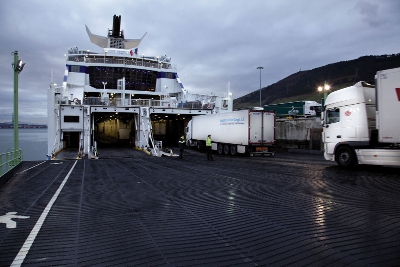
(324, 89)
(17, 66)
(260, 68)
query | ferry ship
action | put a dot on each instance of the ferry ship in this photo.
(121, 98)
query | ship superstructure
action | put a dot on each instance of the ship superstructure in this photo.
(120, 97)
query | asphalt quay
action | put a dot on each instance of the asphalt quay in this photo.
(131, 209)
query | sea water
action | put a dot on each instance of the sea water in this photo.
(33, 142)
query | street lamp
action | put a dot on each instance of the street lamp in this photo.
(260, 68)
(324, 88)
(17, 66)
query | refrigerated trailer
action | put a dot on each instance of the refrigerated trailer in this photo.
(245, 131)
(361, 123)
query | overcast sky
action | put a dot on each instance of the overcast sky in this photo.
(212, 42)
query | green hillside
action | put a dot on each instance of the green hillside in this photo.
(303, 84)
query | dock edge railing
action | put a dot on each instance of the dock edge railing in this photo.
(9, 160)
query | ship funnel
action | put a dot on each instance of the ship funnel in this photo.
(116, 26)
(115, 38)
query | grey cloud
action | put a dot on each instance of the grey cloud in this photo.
(212, 42)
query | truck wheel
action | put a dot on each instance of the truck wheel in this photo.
(345, 157)
(226, 149)
(220, 149)
(233, 150)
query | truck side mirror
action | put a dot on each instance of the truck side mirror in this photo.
(323, 120)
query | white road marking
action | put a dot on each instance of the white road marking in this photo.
(32, 167)
(19, 259)
(7, 219)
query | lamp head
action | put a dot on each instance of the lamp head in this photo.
(19, 67)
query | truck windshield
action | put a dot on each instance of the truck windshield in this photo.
(317, 109)
(332, 116)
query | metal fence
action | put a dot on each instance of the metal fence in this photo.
(118, 102)
(9, 160)
(123, 61)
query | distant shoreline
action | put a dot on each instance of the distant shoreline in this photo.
(24, 127)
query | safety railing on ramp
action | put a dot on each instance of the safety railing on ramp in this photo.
(9, 160)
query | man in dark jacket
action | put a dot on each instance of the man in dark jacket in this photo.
(181, 145)
(208, 147)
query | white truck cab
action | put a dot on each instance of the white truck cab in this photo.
(356, 131)
(312, 108)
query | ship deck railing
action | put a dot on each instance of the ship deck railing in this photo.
(9, 160)
(118, 102)
(121, 61)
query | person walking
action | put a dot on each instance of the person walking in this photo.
(208, 148)
(181, 145)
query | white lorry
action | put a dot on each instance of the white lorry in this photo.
(244, 131)
(361, 123)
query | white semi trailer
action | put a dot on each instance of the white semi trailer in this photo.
(244, 131)
(361, 123)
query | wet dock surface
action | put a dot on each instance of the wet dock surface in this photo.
(131, 209)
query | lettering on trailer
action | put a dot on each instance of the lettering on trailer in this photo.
(347, 113)
(398, 93)
(230, 121)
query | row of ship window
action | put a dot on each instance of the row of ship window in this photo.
(135, 79)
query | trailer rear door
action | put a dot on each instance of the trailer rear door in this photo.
(269, 127)
(261, 127)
